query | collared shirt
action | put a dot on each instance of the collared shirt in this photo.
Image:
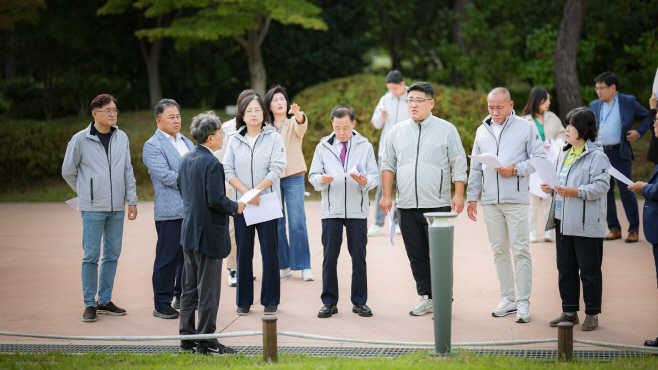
(177, 142)
(566, 166)
(338, 146)
(610, 122)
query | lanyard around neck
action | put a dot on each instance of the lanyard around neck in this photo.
(602, 122)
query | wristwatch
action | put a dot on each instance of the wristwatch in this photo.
(514, 171)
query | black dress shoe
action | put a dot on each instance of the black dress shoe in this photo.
(651, 343)
(362, 310)
(218, 349)
(327, 310)
(243, 310)
(188, 346)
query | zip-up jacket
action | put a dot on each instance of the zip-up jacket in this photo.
(519, 141)
(266, 159)
(585, 214)
(397, 111)
(344, 197)
(102, 180)
(425, 157)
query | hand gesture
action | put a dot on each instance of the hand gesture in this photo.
(472, 210)
(457, 203)
(637, 187)
(632, 135)
(653, 102)
(566, 191)
(384, 115)
(327, 179)
(545, 188)
(132, 212)
(255, 201)
(505, 171)
(386, 204)
(294, 109)
(241, 206)
(362, 180)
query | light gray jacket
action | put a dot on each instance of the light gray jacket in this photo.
(102, 180)
(397, 111)
(344, 198)
(519, 141)
(585, 214)
(422, 156)
(266, 159)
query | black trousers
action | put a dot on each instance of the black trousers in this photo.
(655, 259)
(332, 240)
(414, 228)
(579, 259)
(201, 286)
(168, 265)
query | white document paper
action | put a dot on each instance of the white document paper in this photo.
(269, 208)
(487, 159)
(546, 171)
(619, 176)
(248, 196)
(655, 83)
(390, 221)
(73, 203)
(357, 170)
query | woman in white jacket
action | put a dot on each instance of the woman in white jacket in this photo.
(549, 127)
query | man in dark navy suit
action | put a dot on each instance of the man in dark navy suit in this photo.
(204, 234)
(614, 114)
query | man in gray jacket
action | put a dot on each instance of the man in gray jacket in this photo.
(426, 153)
(97, 167)
(505, 197)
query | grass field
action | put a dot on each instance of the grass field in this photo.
(418, 361)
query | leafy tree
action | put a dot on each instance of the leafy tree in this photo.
(16, 11)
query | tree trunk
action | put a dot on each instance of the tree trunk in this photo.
(458, 13)
(152, 60)
(567, 86)
(252, 45)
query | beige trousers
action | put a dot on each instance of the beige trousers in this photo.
(536, 207)
(507, 226)
(231, 260)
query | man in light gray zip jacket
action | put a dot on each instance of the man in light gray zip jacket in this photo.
(505, 197)
(425, 153)
(97, 167)
(344, 203)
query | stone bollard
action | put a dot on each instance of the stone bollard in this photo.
(564, 341)
(269, 338)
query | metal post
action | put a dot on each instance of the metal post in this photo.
(441, 234)
(269, 338)
(564, 341)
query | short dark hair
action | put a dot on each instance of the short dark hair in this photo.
(204, 125)
(538, 95)
(162, 104)
(242, 108)
(423, 87)
(394, 77)
(584, 121)
(244, 94)
(608, 78)
(270, 95)
(102, 100)
(341, 111)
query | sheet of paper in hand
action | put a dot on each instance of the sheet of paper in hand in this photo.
(248, 196)
(390, 221)
(357, 170)
(487, 159)
(546, 171)
(73, 203)
(655, 84)
(269, 208)
(620, 176)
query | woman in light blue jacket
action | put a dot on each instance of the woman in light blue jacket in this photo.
(578, 216)
(254, 159)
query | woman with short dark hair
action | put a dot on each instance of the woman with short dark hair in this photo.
(578, 217)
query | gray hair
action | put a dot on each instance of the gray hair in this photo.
(204, 125)
(162, 104)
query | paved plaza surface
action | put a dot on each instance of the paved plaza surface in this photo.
(40, 260)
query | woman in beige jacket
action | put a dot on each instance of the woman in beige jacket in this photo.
(291, 124)
(549, 127)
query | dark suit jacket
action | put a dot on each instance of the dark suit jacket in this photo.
(650, 214)
(629, 110)
(205, 205)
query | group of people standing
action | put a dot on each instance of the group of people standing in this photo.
(198, 188)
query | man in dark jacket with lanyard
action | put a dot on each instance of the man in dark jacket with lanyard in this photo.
(614, 114)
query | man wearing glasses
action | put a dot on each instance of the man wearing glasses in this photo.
(97, 167)
(614, 114)
(426, 154)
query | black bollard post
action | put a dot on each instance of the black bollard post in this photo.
(564, 341)
(269, 339)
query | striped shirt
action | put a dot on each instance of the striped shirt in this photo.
(566, 166)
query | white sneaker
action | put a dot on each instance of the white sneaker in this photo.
(423, 307)
(533, 237)
(285, 273)
(397, 229)
(376, 230)
(548, 236)
(307, 275)
(523, 313)
(232, 278)
(504, 308)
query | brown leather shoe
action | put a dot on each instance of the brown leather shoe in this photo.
(613, 234)
(564, 318)
(590, 323)
(632, 237)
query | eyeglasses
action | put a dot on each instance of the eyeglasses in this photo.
(107, 111)
(253, 111)
(601, 88)
(415, 101)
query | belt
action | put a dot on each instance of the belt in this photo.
(611, 147)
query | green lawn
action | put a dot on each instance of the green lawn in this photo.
(417, 361)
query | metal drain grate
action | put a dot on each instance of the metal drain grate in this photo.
(310, 351)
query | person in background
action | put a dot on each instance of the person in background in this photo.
(578, 217)
(228, 128)
(291, 124)
(549, 127)
(161, 155)
(255, 158)
(391, 109)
